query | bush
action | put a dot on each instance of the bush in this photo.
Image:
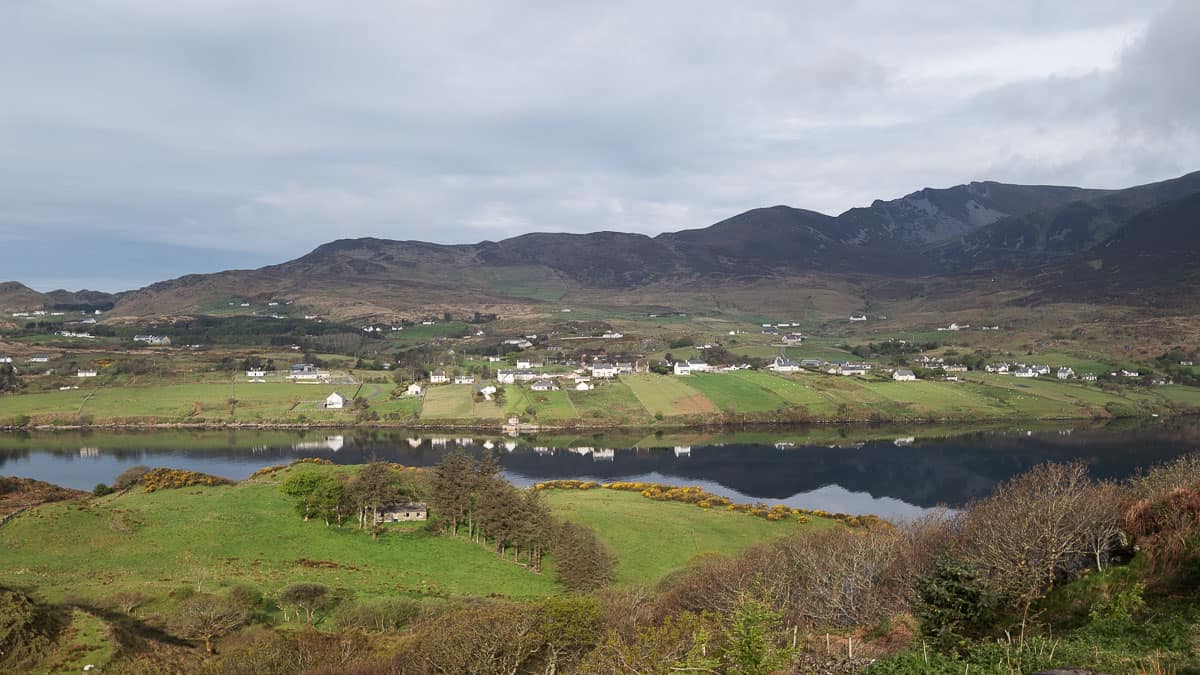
(379, 616)
(129, 477)
(953, 604)
(169, 479)
(27, 631)
(101, 489)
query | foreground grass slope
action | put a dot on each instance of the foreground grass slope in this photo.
(213, 537)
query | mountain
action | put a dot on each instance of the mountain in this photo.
(1157, 249)
(16, 297)
(1055, 233)
(931, 216)
(967, 228)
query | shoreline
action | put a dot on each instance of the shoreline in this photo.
(504, 428)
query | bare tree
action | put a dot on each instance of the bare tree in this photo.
(206, 617)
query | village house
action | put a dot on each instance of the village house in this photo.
(603, 369)
(955, 368)
(1065, 373)
(583, 385)
(438, 377)
(858, 316)
(4, 358)
(399, 513)
(955, 327)
(543, 385)
(783, 364)
(487, 392)
(810, 363)
(414, 389)
(793, 338)
(39, 358)
(1089, 377)
(525, 364)
(464, 379)
(335, 401)
(1130, 373)
(626, 368)
(689, 367)
(770, 330)
(904, 375)
(847, 369)
(306, 372)
(514, 376)
(611, 335)
(1000, 368)
(161, 340)
(1186, 363)
(85, 373)
(1024, 371)
(256, 372)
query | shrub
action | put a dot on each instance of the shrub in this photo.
(206, 617)
(953, 604)
(101, 489)
(27, 631)
(129, 477)
(379, 616)
(169, 479)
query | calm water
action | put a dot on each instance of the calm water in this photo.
(893, 472)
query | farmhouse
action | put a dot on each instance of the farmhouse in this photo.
(1065, 373)
(152, 339)
(399, 513)
(904, 375)
(1024, 371)
(783, 364)
(793, 338)
(858, 316)
(603, 369)
(256, 373)
(464, 379)
(583, 385)
(306, 371)
(86, 373)
(1089, 377)
(626, 368)
(4, 358)
(514, 376)
(414, 389)
(335, 401)
(438, 377)
(810, 363)
(611, 335)
(689, 367)
(543, 385)
(770, 330)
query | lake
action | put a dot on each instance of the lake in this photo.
(894, 472)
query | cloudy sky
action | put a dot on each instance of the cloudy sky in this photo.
(141, 139)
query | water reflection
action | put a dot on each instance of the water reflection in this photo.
(894, 472)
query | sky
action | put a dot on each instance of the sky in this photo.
(141, 140)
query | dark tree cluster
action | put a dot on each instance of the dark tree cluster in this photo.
(336, 498)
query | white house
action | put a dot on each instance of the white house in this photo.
(256, 372)
(583, 385)
(793, 338)
(1089, 377)
(335, 401)
(525, 364)
(543, 385)
(689, 367)
(152, 339)
(858, 316)
(464, 379)
(4, 358)
(603, 369)
(438, 377)
(487, 392)
(513, 376)
(39, 359)
(86, 373)
(1065, 373)
(783, 364)
(904, 375)
(1024, 372)
(414, 389)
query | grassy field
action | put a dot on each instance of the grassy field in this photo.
(609, 400)
(457, 402)
(731, 392)
(215, 537)
(668, 395)
(652, 539)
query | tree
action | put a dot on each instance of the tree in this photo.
(752, 648)
(304, 597)
(582, 561)
(206, 617)
(375, 485)
(9, 380)
(129, 477)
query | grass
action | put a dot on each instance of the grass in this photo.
(249, 533)
(668, 395)
(609, 400)
(733, 393)
(653, 539)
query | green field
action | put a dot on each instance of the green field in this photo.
(611, 401)
(652, 538)
(733, 393)
(214, 537)
(668, 395)
(457, 402)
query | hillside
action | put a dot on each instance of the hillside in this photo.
(930, 233)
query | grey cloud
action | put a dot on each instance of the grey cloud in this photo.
(255, 131)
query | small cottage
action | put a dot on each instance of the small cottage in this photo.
(438, 377)
(414, 389)
(904, 375)
(401, 513)
(335, 401)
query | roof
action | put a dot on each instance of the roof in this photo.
(904, 371)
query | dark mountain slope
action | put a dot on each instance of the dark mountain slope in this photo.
(1057, 233)
(935, 215)
(1155, 259)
